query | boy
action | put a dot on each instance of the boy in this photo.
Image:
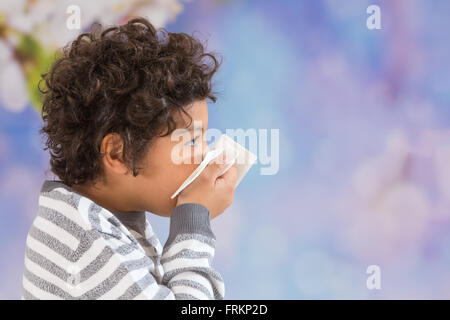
(111, 103)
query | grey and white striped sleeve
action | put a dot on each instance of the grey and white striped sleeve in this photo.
(188, 253)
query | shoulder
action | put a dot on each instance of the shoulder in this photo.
(58, 205)
(67, 217)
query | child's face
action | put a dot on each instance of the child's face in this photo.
(155, 184)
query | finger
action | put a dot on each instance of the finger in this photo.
(215, 167)
(231, 175)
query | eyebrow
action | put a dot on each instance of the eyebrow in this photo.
(191, 128)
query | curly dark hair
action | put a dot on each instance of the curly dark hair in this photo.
(127, 79)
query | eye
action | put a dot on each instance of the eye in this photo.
(192, 142)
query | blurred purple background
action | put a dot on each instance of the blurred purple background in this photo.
(364, 120)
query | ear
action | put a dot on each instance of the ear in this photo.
(112, 151)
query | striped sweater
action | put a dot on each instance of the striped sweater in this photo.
(76, 249)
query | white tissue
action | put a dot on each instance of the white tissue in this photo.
(241, 158)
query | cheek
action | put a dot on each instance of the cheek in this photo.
(156, 190)
(168, 175)
(171, 177)
(177, 173)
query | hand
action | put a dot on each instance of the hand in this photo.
(215, 193)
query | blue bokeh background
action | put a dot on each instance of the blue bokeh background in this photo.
(364, 150)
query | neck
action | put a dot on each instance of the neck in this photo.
(105, 196)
